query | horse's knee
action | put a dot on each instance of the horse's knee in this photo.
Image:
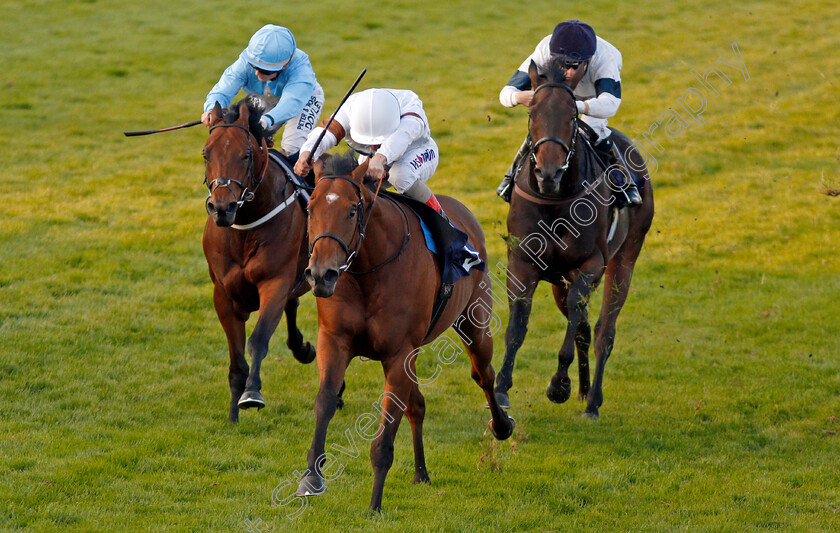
(382, 453)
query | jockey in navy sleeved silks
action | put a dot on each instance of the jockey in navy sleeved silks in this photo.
(273, 70)
(594, 67)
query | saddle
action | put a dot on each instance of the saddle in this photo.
(456, 256)
(303, 187)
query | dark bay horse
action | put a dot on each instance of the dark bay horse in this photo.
(376, 286)
(564, 231)
(255, 245)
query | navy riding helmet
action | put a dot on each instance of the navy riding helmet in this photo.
(574, 40)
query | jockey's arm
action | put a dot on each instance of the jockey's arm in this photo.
(232, 80)
(332, 137)
(517, 90)
(296, 93)
(605, 104)
(410, 129)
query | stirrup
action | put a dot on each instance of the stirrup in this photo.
(634, 199)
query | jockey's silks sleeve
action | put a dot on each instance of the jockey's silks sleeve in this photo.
(410, 129)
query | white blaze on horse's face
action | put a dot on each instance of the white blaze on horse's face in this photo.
(332, 197)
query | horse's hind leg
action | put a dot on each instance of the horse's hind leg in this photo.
(522, 279)
(616, 286)
(582, 337)
(416, 412)
(302, 351)
(234, 326)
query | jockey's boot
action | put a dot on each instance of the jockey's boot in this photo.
(618, 171)
(505, 188)
(434, 204)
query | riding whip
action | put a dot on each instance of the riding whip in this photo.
(149, 132)
(346, 96)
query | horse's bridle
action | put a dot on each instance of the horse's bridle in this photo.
(359, 231)
(570, 147)
(223, 181)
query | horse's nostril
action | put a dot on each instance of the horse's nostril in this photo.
(538, 172)
(231, 208)
(308, 274)
(331, 276)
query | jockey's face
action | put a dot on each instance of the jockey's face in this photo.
(575, 72)
(265, 75)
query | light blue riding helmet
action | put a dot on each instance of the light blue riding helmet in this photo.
(270, 48)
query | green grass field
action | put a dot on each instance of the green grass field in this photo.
(722, 397)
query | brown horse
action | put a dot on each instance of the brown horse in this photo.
(562, 232)
(255, 245)
(376, 288)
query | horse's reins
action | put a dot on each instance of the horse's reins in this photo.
(570, 148)
(360, 230)
(223, 181)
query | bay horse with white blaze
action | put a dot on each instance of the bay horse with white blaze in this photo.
(375, 289)
(255, 245)
(562, 232)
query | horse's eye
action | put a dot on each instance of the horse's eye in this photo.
(352, 211)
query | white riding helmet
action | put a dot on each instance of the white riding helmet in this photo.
(375, 116)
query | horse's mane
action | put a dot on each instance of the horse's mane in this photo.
(340, 164)
(256, 111)
(555, 70)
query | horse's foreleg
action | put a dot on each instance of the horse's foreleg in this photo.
(522, 280)
(272, 301)
(333, 358)
(234, 325)
(572, 301)
(394, 401)
(616, 286)
(302, 351)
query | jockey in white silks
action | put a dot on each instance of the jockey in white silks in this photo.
(275, 72)
(389, 127)
(595, 65)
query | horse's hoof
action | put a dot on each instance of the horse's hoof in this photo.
(589, 415)
(421, 477)
(501, 399)
(559, 390)
(311, 485)
(251, 398)
(306, 353)
(506, 434)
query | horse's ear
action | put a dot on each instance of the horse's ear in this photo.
(534, 75)
(215, 114)
(318, 167)
(359, 174)
(244, 113)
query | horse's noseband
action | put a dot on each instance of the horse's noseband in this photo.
(247, 194)
(570, 147)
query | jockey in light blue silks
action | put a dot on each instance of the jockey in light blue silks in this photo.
(594, 65)
(273, 71)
